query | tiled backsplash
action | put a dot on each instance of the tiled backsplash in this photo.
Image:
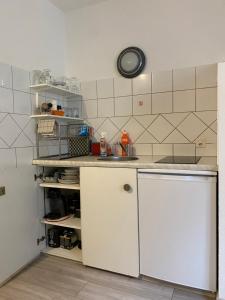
(17, 103)
(165, 113)
(16, 128)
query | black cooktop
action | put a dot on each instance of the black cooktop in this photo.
(179, 160)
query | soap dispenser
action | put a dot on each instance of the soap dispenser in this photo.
(103, 145)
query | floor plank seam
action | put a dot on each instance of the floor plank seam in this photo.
(172, 294)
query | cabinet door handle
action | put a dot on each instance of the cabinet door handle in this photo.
(127, 187)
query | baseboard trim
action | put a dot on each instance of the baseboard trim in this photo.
(19, 271)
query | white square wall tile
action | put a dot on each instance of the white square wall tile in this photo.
(142, 84)
(89, 90)
(30, 131)
(162, 149)
(208, 136)
(21, 80)
(6, 100)
(105, 88)
(9, 130)
(175, 138)
(206, 76)
(214, 126)
(22, 141)
(184, 149)
(24, 157)
(106, 107)
(7, 158)
(3, 144)
(22, 103)
(123, 106)
(208, 117)
(160, 128)
(162, 103)
(184, 101)
(5, 75)
(191, 127)
(206, 99)
(142, 149)
(89, 109)
(142, 104)
(146, 138)
(184, 79)
(21, 120)
(162, 81)
(209, 150)
(122, 86)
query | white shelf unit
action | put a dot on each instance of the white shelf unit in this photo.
(74, 223)
(71, 222)
(59, 118)
(73, 254)
(60, 186)
(52, 89)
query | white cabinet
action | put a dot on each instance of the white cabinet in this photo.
(109, 219)
(19, 220)
(178, 228)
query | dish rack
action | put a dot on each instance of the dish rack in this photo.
(60, 141)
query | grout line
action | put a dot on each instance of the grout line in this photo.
(150, 104)
(16, 157)
(140, 115)
(172, 294)
(122, 96)
(195, 89)
(114, 99)
(13, 95)
(172, 90)
(96, 89)
(202, 120)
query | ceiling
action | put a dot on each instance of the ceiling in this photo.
(67, 5)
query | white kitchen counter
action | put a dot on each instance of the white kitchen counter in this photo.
(143, 162)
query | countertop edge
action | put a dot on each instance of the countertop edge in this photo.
(132, 164)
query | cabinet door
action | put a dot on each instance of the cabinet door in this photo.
(109, 217)
(19, 219)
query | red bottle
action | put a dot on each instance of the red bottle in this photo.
(125, 142)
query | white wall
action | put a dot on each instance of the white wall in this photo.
(221, 161)
(173, 34)
(32, 34)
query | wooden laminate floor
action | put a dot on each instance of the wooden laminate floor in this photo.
(60, 279)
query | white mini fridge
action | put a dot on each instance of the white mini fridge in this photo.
(177, 217)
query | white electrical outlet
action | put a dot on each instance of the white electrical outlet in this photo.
(2, 83)
(201, 143)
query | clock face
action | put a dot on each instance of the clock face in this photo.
(131, 62)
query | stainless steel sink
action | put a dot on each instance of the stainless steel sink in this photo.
(118, 158)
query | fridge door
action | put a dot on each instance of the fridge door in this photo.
(177, 226)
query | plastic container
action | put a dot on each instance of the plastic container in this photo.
(95, 149)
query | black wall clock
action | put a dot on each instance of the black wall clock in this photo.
(131, 62)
